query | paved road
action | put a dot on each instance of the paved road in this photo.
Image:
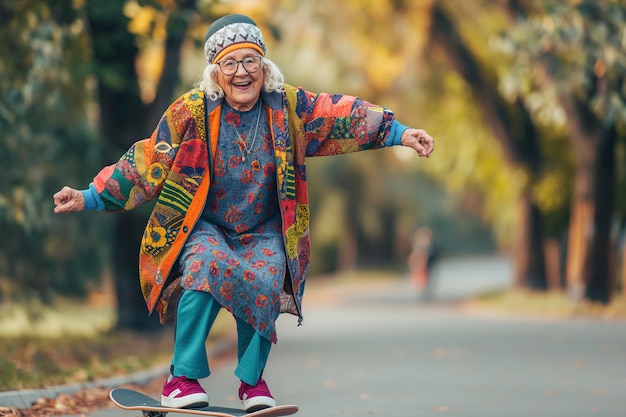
(378, 352)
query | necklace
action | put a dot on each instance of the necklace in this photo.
(244, 148)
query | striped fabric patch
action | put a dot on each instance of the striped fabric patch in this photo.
(175, 197)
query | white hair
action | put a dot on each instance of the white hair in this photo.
(274, 80)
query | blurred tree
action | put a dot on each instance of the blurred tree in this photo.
(46, 139)
(380, 55)
(367, 206)
(570, 69)
(121, 31)
(513, 127)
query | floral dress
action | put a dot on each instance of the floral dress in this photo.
(236, 250)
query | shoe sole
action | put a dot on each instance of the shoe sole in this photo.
(189, 401)
(258, 403)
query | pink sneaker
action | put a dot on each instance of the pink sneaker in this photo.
(255, 398)
(181, 392)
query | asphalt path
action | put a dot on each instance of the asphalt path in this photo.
(377, 349)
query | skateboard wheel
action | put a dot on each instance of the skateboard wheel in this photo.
(154, 414)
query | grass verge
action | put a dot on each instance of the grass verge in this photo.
(74, 352)
(39, 362)
(551, 304)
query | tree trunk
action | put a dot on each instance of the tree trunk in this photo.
(580, 232)
(598, 273)
(347, 253)
(529, 262)
(124, 119)
(553, 264)
(624, 272)
(588, 272)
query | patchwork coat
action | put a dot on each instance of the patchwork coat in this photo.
(173, 165)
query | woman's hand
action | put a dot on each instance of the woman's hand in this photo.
(68, 200)
(419, 140)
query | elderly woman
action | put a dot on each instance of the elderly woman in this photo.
(230, 227)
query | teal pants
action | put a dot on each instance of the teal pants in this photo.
(196, 313)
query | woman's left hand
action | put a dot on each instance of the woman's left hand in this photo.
(419, 140)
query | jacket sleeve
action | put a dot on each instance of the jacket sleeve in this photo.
(139, 175)
(336, 124)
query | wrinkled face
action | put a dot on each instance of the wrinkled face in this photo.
(242, 89)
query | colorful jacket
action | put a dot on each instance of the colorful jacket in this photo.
(173, 167)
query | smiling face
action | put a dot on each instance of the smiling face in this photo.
(242, 89)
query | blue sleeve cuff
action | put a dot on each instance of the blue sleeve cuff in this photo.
(92, 199)
(395, 135)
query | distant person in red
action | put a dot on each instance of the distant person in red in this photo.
(230, 227)
(421, 260)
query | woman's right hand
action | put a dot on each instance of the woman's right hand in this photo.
(68, 200)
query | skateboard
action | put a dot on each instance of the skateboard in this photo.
(129, 399)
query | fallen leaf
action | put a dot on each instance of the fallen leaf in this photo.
(441, 408)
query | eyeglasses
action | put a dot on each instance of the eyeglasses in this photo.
(230, 66)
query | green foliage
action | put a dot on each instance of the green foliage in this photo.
(45, 141)
(581, 45)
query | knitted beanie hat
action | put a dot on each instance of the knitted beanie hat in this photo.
(229, 33)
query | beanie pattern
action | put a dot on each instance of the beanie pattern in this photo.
(231, 37)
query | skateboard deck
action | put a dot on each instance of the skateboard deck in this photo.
(129, 399)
